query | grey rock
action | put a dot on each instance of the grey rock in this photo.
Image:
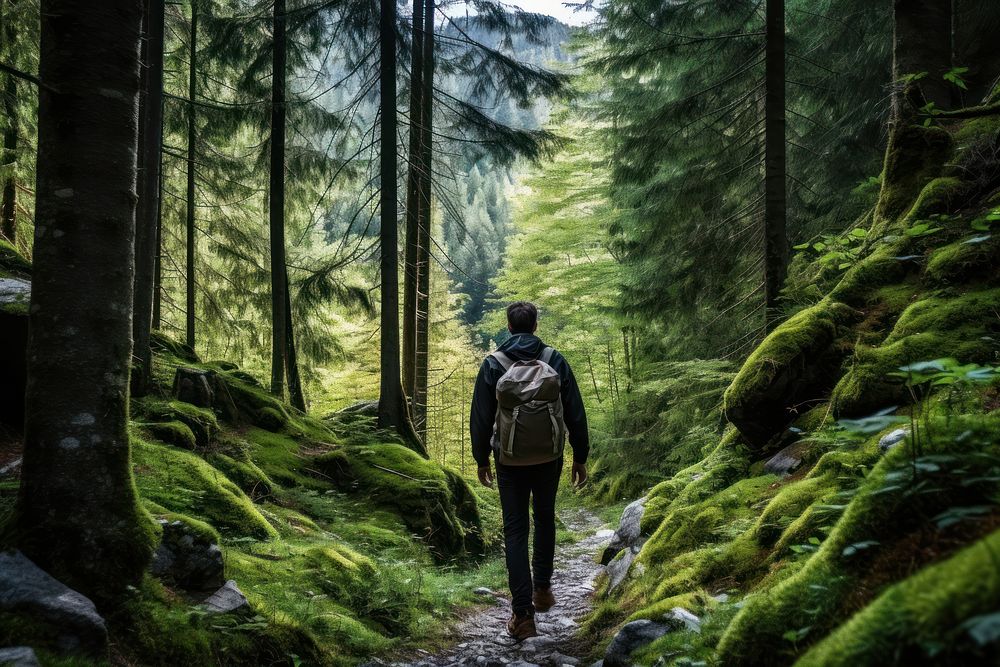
(721, 597)
(536, 644)
(630, 638)
(560, 659)
(680, 618)
(227, 600)
(628, 533)
(14, 291)
(27, 589)
(618, 568)
(482, 590)
(893, 438)
(522, 663)
(11, 468)
(187, 559)
(18, 656)
(787, 460)
(599, 663)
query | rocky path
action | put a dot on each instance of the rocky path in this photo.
(481, 639)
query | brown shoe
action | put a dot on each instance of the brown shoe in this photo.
(543, 599)
(521, 627)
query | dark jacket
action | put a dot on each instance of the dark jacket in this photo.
(520, 347)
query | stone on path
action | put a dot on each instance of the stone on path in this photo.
(618, 568)
(630, 638)
(629, 532)
(26, 589)
(18, 656)
(226, 600)
(482, 590)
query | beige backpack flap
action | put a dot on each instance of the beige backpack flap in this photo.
(527, 384)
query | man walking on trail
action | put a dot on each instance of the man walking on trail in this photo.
(524, 404)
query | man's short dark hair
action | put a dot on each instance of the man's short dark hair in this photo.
(522, 316)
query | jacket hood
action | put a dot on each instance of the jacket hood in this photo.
(520, 347)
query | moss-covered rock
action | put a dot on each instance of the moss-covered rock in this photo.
(184, 483)
(200, 421)
(12, 263)
(175, 433)
(419, 490)
(795, 365)
(962, 262)
(962, 326)
(930, 618)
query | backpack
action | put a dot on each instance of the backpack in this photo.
(529, 427)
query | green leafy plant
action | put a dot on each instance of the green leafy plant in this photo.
(954, 76)
(837, 251)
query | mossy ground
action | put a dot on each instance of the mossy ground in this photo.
(859, 556)
(345, 551)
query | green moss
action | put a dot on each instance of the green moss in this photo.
(880, 517)
(164, 344)
(962, 263)
(788, 505)
(244, 473)
(957, 326)
(791, 365)
(940, 195)
(184, 483)
(254, 403)
(921, 619)
(914, 156)
(11, 261)
(174, 433)
(202, 422)
(418, 489)
(880, 268)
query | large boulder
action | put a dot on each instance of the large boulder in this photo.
(188, 557)
(797, 364)
(71, 618)
(205, 389)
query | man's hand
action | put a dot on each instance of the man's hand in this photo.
(486, 476)
(578, 475)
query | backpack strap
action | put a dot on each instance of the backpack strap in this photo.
(505, 361)
(546, 356)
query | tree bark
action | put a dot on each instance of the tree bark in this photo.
(775, 236)
(8, 206)
(276, 204)
(77, 515)
(296, 393)
(192, 141)
(147, 211)
(412, 207)
(392, 412)
(423, 263)
(922, 42)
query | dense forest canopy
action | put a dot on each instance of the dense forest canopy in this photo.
(253, 254)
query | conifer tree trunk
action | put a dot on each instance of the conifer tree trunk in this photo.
(412, 207)
(276, 204)
(147, 211)
(158, 248)
(775, 236)
(296, 394)
(77, 513)
(8, 205)
(192, 129)
(922, 43)
(392, 412)
(423, 263)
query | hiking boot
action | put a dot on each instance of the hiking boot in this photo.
(521, 626)
(543, 599)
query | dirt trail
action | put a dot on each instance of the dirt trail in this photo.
(481, 639)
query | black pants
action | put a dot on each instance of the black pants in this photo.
(518, 485)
